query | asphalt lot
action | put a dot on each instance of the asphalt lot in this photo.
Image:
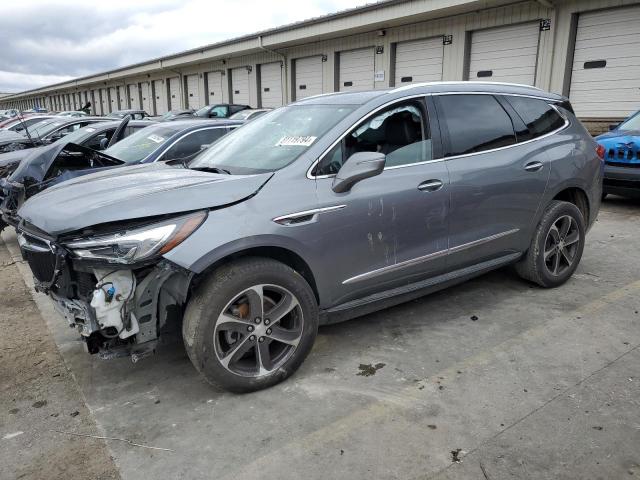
(491, 379)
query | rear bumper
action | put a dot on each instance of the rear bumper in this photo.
(623, 181)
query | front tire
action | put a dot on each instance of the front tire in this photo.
(250, 324)
(556, 247)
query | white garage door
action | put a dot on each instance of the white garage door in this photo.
(356, 70)
(134, 96)
(147, 97)
(122, 97)
(174, 93)
(240, 86)
(104, 101)
(214, 88)
(271, 85)
(95, 102)
(113, 99)
(505, 54)
(160, 96)
(419, 61)
(605, 78)
(308, 77)
(193, 96)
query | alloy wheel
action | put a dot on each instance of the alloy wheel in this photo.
(258, 330)
(561, 245)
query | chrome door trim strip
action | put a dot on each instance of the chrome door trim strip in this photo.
(284, 219)
(482, 241)
(426, 258)
(396, 266)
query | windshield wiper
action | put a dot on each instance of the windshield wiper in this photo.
(212, 170)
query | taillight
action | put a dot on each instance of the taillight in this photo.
(600, 150)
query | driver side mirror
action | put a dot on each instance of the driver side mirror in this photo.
(358, 166)
(103, 143)
(213, 114)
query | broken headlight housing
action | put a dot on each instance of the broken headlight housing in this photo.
(138, 244)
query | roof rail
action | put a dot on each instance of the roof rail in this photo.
(465, 82)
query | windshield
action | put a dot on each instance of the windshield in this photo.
(631, 124)
(138, 146)
(273, 140)
(203, 112)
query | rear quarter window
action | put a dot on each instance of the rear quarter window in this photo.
(539, 117)
(474, 123)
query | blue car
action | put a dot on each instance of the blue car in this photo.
(621, 150)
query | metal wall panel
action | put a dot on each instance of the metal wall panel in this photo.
(147, 97)
(308, 76)
(134, 96)
(113, 99)
(505, 54)
(174, 93)
(605, 76)
(271, 91)
(356, 70)
(122, 97)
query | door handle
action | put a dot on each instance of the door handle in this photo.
(533, 166)
(430, 186)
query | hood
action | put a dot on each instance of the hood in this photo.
(16, 156)
(624, 136)
(134, 192)
(8, 136)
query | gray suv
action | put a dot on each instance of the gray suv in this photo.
(321, 211)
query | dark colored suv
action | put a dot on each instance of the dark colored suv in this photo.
(320, 211)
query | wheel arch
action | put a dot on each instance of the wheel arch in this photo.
(276, 252)
(577, 196)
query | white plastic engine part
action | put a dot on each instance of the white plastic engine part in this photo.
(109, 298)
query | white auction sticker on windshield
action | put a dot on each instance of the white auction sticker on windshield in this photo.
(89, 129)
(294, 141)
(156, 138)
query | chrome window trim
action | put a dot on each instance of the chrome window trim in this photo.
(183, 137)
(426, 258)
(281, 220)
(435, 160)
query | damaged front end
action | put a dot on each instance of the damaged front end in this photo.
(114, 288)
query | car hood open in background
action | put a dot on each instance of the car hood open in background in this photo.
(134, 192)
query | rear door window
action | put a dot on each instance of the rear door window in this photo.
(539, 117)
(474, 123)
(193, 143)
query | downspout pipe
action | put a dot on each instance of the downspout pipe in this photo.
(285, 64)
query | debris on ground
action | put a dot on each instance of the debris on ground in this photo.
(455, 455)
(368, 370)
(474, 318)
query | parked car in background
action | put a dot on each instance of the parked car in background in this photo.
(135, 114)
(19, 123)
(57, 162)
(156, 142)
(220, 110)
(11, 112)
(72, 113)
(320, 211)
(249, 114)
(621, 150)
(175, 114)
(45, 132)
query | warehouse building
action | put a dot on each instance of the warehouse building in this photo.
(588, 50)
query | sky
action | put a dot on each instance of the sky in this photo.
(50, 41)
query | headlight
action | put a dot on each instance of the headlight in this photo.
(138, 244)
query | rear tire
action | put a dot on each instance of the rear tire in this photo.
(556, 247)
(250, 324)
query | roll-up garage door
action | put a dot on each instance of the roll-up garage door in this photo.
(122, 97)
(174, 93)
(160, 97)
(113, 99)
(214, 88)
(95, 102)
(104, 101)
(147, 97)
(240, 86)
(419, 61)
(505, 54)
(356, 70)
(193, 96)
(134, 96)
(271, 85)
(605, 77)
(308, 73)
